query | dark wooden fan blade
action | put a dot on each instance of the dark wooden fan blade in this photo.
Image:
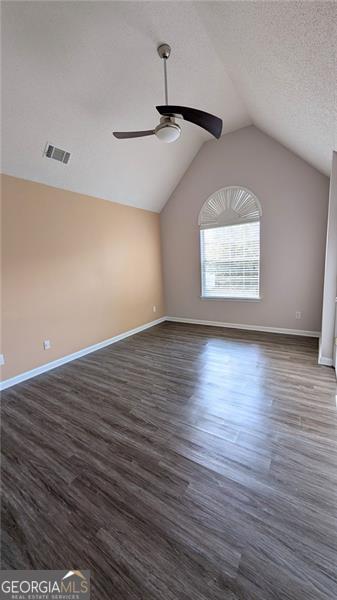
(205, 120)
(123, 135)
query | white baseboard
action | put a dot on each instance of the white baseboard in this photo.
(324, 360)
(69, 357)
(247, 327)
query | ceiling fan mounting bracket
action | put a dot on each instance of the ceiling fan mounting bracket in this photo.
(164, 51)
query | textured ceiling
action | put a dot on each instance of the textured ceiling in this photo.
(282, 57)
(75, 71)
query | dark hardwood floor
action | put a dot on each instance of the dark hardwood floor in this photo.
(184, 463)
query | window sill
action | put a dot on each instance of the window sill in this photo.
(231, 298)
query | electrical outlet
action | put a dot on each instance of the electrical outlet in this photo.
(154, 308)
(46, 344)
(2, 359)
(298, 314)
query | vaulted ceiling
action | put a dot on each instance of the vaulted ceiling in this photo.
(75, 71)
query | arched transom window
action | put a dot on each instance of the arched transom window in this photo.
(229, 224)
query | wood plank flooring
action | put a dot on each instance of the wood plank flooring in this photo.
(184, 463)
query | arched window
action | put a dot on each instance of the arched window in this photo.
(229, 224)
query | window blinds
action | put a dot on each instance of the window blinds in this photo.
(230, 261)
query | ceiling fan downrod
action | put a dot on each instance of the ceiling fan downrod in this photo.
(164, 51)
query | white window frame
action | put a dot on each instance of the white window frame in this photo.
(221, 224)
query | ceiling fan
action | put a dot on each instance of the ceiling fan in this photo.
(168, 130)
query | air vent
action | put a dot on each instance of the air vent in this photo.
(57, 154)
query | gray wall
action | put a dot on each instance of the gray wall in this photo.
(294, 198)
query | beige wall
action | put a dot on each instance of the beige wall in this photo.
(294, 199)
(75, 270)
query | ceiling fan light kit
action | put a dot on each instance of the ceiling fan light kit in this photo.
(168, 131)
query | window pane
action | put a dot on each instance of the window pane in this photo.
(230, 261)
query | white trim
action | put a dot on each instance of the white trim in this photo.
(247, 327)
(69, 357)
(232, 298)
(323, 360)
